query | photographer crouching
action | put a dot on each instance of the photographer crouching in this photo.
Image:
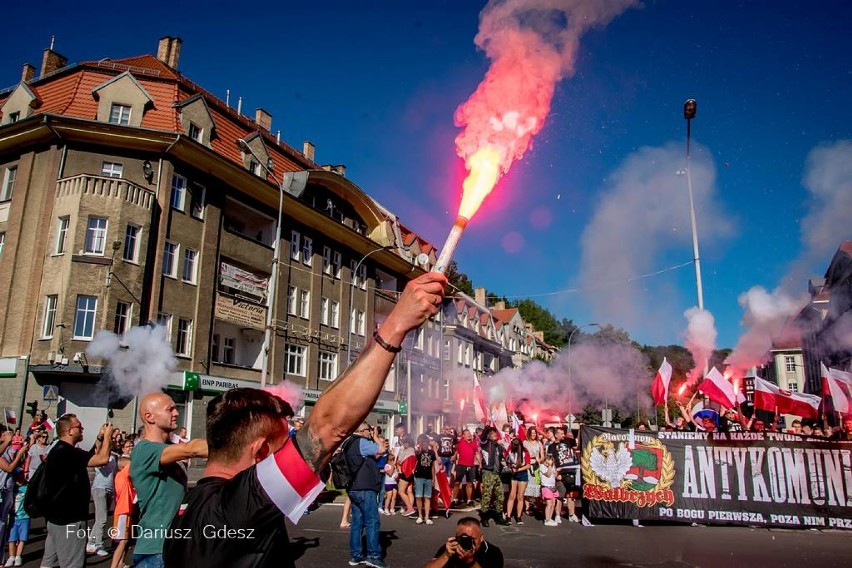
(468, 548)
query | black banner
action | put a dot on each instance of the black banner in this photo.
(746, 478)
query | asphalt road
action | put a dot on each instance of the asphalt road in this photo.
(318, 541)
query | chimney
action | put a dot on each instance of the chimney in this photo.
(52, 61)
(501, 305)
(308, 149)
(263, 119)
(539, 335)
(479, 296)
(339, 169)
(168, 51)
(28, 73)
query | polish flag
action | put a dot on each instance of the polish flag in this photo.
(478, 402)
(48, 424)
(10, 416)
(660, 386)
(768, 396)
(838, 385)
(718, 389)
(289, 482)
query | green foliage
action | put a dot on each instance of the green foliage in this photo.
(542, 320)
(458, 279)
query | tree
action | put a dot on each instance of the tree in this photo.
(459, 280)
(542, 320)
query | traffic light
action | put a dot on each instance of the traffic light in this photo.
(403, 407)
(33, 408)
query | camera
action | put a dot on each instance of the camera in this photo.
(465, 541)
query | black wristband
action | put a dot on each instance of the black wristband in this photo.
(384, 344)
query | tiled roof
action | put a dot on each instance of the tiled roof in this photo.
(504, 315)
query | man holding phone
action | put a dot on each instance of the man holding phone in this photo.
(467, 549)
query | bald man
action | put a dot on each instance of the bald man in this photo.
(159, 479)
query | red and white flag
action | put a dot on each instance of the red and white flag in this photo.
(289, 482)
(768, 396)
(48, 424)
(838, 385)
(10, 416)
(660, 386)
(478, 401)
(718, 389)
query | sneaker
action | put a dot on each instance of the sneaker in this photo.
(355, 562)
(90, 549)
(10, 562)
(637, 524)
(519, 521)
(419, 520)
(101, 551)
(558, 519)
(19, 561)
(411, 513)
(375, 563)
(550, 523)
(574, 519)
(430, 522)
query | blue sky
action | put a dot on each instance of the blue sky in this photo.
(597, 201)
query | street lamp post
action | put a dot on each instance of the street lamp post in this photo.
(570, 378)
(689, 109)
(351, 299)
(276, 257)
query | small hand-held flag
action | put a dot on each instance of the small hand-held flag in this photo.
(10, 416)
(660, 386)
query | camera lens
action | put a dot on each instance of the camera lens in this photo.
(465, 541)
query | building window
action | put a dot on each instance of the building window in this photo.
(184, 337)
(418, 339)
(189, 265)
(119, 114)
(254, 167)
(793, 387)
(197, 196)
(14, 117)
(307, 250)
(324, 311)
(362, 276)
(335, 315)
(229, 350)
(326, 260)
(8, 183)
(170, 255)
(49, 316)
(295, 238)
(195, 132)
(178, 192)
(304, 304)
(335, 264)
(112, 169)
(165, 320)
(84, 318)
(131, 243)
(291, 300)
(446, 350)
(96, 235)
(62, 234)
(327, 366)
(790, 363)
(352, 272)
(295, 355)
(361, 323)
(2, 243)
(123, 315)
(214, 348)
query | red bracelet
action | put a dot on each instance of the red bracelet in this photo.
(384, 344)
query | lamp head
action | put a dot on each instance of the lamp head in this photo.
(689, 109)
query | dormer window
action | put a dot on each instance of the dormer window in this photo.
(119, 114)
(254, 167)
(14, 117)
(195, 132)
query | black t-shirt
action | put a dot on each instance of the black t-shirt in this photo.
(425, 462)
(67, 479)
(446, 445)
(488, 556)
(563, 455)
(257, 537)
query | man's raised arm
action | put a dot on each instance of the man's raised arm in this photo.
(349, 400)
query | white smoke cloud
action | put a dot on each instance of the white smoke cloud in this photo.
(641, 223)
(616, 373)
(700, 339)
(828, 181)
(141, 362)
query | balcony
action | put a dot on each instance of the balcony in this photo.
(106, 187)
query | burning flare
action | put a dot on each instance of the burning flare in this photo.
(681, 389)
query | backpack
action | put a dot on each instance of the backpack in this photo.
(37, 499)
(341, 475)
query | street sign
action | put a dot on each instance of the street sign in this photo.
(51, 393)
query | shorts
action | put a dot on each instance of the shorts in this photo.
(407, 478)
(548, 493)
(121, 528)
(422, 487)
(447, 461)
(567, 486)
(390, 487)
(20, 531)
(521, 476)
(465, 474)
